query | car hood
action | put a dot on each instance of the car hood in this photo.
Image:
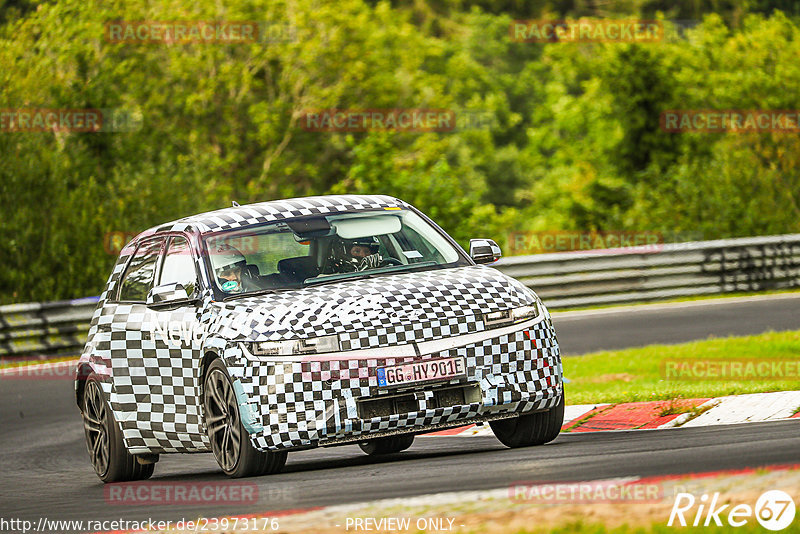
(374, 312)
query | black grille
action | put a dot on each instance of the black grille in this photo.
(398, 404)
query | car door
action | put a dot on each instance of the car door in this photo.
(177, 335)
(133, 364)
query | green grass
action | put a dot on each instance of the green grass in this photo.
(697, 411)
(635, 374)
(678, 299)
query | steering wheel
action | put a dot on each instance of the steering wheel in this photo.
(390, 261)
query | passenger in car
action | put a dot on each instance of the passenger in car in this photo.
(233, 273)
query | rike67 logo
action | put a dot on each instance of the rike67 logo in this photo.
(774, 510)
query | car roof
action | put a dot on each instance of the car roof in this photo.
(275, 210)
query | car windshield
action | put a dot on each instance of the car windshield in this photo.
(325, 249)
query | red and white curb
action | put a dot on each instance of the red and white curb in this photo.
(746, 409)
(754, 407)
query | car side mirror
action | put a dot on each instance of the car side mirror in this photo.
(484, 250)
(169, 295)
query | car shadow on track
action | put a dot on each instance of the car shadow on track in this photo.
(350, 456)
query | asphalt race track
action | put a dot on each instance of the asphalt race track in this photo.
(634, 326)
(46, 470)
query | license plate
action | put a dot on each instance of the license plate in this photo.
(425, 371)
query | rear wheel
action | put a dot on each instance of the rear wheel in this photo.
(533, 429)
(230, 441)
(388, 445)
(111, 460)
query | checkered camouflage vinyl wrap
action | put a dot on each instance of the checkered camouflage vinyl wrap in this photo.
(149, 374)
(314, 401)
(150, 358)
(252, 214)
(376, 312)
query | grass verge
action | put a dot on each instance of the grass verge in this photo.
(639, 375)
(715, 296)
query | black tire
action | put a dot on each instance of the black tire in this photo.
(111, 460)
(533, 429)
(390, 445)
(230, 442)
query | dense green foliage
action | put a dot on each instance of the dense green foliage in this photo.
(574, 142)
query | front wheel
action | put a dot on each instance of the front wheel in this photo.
(390, 445)
(229, 440)
(111, 460)
(533, 429)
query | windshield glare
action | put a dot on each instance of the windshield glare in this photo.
(300, 252)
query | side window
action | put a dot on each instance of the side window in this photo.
(417, 249)
(179, 266)
(139, 276)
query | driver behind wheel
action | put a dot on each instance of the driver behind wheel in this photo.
(364, 253)
(351, 255)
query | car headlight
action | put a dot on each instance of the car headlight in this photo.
(289, 347)
(511, 316)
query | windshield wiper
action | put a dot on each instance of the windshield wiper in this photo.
(355, 275)
(258, 292)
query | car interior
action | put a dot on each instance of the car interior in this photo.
(288, 254)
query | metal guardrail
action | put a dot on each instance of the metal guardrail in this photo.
(46, 329)
(589, 278)
(562, 280)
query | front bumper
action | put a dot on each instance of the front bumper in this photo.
(319, 400)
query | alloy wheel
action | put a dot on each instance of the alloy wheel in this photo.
(222, 419)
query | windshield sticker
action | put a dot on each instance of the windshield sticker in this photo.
(412, 254)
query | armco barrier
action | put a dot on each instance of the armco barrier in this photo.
(47, 329)
(567, 279)
(589, 278)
